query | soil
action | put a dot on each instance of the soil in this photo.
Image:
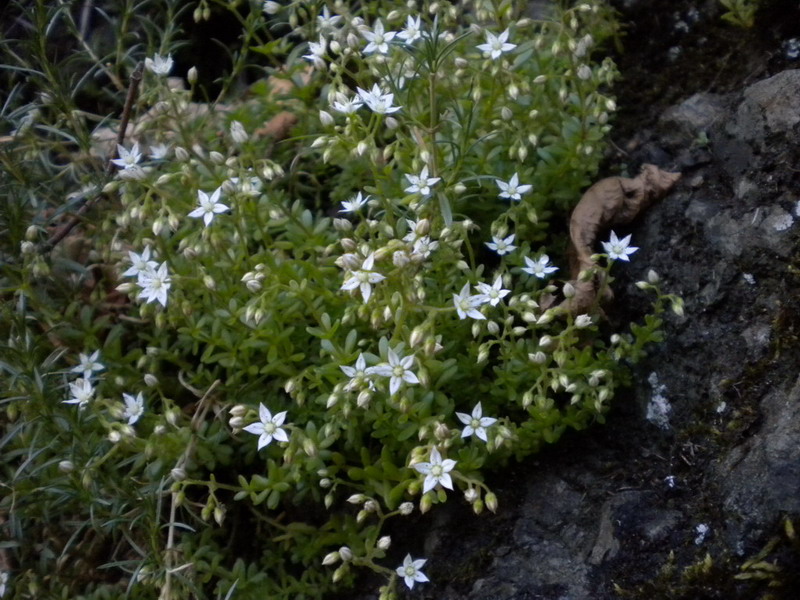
(619, 511)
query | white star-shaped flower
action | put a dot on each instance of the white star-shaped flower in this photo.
(88, 365)
(378, 39)
(512, 190)
(436, 471)
(413, 30)
(160, 65)
(345, 105)
(424, 246)
(492, 294)
(502, 246)
(398, 369)
(355, 204)
(496, 44)
(364, 278)
(539, 268)
(269, 427)
(476, 423)
(326, 21)
(316, 52)
(358, 374)
(82, 391)
(134, 407)
(619, 249)
(140, 263)
(421, 184)
(377, 101)
(159, 151)
(155, 284)
(410, 571)
(467, 304)
(208, 206)
(128, 159)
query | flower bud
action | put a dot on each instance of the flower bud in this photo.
(181, 154)
(357, 499)
(471, 494)
(66, 466)
(346, 554)
(325, 118)
(238, 133)
(236, 422)
(425, 503)
(406, 508)
(491, 502)
(331, 558)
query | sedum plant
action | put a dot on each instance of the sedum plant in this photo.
(275, 348)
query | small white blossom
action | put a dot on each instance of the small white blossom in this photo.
(496, 44)
(410, 571)
(268, 427)
(702, 531)
(160, 65)
(502, 245)
(424, 246)
(398, 369)
(155, 284)
(467, 304)
(345, 105)
(364, 278)
(476, 423)
(413, 30)
(140, 263)
(512, 190)
(317, 52)
(271, 7)
(354, 205)
(377, 101)
(421, 183)
(492, 294)
(208, 206)
(619, 249)
(326, 21)
(358, 374)
(88, 365)
(436, 472)
(82, 391)
(128, 159)
(539, 268)
(159, 151)
(582, 321)
(134, 407)
(378, 39)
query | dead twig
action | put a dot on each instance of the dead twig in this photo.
(133, 92)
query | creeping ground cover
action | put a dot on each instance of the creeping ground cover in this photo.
(297, 312)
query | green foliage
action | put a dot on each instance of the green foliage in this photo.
(741, 13)
(349, 345)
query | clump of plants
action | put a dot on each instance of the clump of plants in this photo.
(741, 13)
(296, 316)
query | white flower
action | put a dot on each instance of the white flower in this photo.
(4, 582)
(410, 571)
(502, 246)
(82, 391)
(127, 158)
(355, 204)
(475, 423)
(582, 321)
(493, 293)
(539, 268)
(346, 105)
(377, 101)
(421, 183)
(134, 407)
(155, 284)
(496, 44)
(412, 32)
(512, 190)
(159, 151)
(424, 246)
(326, 20)
(378, 39)
(357, 374)
(160, 65)
(398, 369)
(619, 248)
(317, 52)
(88, 364)
(140, 263)
(269, 427)
(208, 206)
(467, 304)
(364, 278)
(437, 471)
